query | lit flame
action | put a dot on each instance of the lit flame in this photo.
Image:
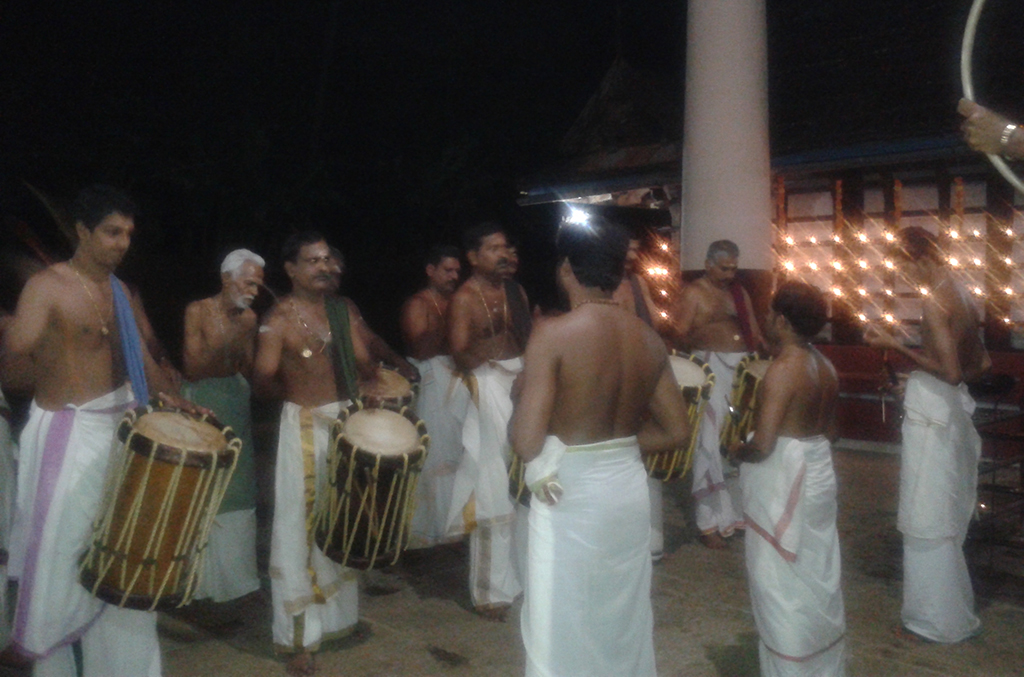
(837, 239)
(813, 240)
(925, 291)
(889, 264)
(664, 246)
(837, 265)
(889, 318)
(976, 233)
(1008, 291)
(664, 315)
(889, 236)
(1009, 232)
(1007, 320)
(978, 291)
(664, 292)
(862, 291)
(862, 237)
(812, 265)
(788, 265)
(954, 235)
(862, 263)
(1009, 261)
(888, 292)
(837, 291)
(862, 317)
(953, 261)
(790, 240)
(977, 261)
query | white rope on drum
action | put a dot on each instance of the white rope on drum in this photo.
(967, 48)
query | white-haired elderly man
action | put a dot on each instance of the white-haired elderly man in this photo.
(220, 341)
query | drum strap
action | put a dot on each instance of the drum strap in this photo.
(131, 343)
(342, 355)
(743, 315)
(306, 437)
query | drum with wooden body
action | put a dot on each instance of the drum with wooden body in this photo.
(164, 486)
(389, 389)
(743, 400)
(696, 380)
(375, 460)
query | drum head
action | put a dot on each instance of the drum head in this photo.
(758, 368)
(381, 431)
(180, 431)
(389, 385)
(688, 374)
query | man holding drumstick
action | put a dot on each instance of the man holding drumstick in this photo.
(75, 342)
(716, 323)
(596, 390)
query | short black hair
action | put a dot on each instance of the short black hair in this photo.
(596, 252)
(97, 202)
(296, 241)
(916, 243)
(720, 248)
(803, 305)
(474, 236)
(439, 252)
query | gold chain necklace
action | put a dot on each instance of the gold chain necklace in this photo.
(504, 313)
(600, 302)
(307, 352)
(430, 293)
(104, 329)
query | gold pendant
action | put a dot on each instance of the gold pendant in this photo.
(104, 331)
(307, 353)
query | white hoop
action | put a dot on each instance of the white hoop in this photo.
(965, 77)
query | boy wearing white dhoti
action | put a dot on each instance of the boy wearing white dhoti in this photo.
(792, 554)
(480, 497)
(941, 448)
(442, 403)
(716, 322)
(488, 325)
(74, 342)
(314, 598)
(938, 495)
(789, 497)
(587, 609)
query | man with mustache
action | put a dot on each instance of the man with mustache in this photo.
(220, 344)
(440, 404)
(487, 330)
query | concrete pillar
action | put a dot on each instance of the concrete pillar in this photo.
(726, 162)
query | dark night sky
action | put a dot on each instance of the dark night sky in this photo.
(231, 123)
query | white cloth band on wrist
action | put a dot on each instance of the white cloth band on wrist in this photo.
(1008, 131)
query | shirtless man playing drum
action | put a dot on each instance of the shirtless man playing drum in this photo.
(941, 448)
(441, 407)
(716, 323)
(597, 390)
(483, 336)
(220, 345)
(74, 341)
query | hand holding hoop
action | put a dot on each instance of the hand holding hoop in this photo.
(966, 50)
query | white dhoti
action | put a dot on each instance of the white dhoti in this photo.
(313, 597)
(63, 462)
(792, 553)
(8, 486)
(938, 493)
(480, 500)
(713, 502)
(587, 610)
(441, 404)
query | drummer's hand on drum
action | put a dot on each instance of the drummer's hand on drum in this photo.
(183, 404)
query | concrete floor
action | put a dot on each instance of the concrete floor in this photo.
(416, 618)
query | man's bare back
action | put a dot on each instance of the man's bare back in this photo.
(799, 394)
(424, 324)
(948, 310)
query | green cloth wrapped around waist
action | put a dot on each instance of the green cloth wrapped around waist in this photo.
(228, 398)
